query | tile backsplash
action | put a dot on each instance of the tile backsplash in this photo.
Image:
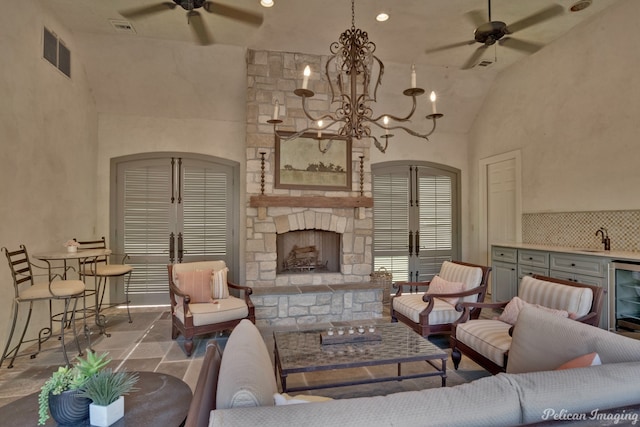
(578, 229)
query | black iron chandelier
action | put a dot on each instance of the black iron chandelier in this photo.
(354, 85)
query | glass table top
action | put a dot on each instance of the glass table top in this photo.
(300, 351)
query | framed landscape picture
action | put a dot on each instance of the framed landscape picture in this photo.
(301, 165)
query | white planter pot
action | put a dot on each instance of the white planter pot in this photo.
(72, 249)
(104, 416)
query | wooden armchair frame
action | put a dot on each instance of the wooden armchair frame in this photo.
(188, 329)
(458, 348)
(423, 327)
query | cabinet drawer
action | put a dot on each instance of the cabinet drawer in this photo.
(527, 270)
(533, 258)
(589, 266)
(499, 253)
(580, 278)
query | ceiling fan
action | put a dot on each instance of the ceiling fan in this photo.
(488, 32)
(194, 19)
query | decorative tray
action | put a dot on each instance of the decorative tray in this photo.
(348, 338)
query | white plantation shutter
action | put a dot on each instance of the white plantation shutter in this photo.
(436, 221)
(391, 222)
(188, 196)
(204, 211)
(430, 211)
(148, 219)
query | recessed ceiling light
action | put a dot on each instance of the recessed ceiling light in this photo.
(266, 3)
(382, 17)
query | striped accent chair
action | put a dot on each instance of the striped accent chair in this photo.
(487, 341)
(428, 313)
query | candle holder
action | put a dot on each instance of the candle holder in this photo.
(262, 154)
(361, 175)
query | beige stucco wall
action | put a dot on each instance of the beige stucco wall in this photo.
(48, 135)
(573, 110)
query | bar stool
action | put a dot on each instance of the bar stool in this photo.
(29, 292)
(101, 270)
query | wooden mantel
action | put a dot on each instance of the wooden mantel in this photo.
(264, 201)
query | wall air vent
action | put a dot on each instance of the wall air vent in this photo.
(122, 26)
(55, 52)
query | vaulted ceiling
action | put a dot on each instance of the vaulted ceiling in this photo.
(415, 32)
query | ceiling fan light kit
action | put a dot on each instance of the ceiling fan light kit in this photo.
(488, 32)
(353, 86)
(194, 19)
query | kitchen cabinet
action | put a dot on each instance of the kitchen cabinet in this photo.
(504, 273)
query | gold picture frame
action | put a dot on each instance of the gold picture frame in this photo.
(300, 163)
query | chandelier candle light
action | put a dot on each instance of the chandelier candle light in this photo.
(354, 85)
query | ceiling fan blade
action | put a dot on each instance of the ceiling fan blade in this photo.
(536, 18)
(450, 46)
(139, 12)
(238, 14)
(199, 28)
(521, 45)
(475, 57)
(477, 17)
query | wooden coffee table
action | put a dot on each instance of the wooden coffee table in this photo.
(302, 351)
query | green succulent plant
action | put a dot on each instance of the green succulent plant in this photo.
(69, 378)
(105, 387)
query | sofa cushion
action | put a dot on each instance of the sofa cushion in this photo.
(440, 286)
(488, 337)
(543, 342)
(286, 399)
(575, 391)
(218, 311)
(573, 299)
(411, 305)
(447, 406)
(246, 372)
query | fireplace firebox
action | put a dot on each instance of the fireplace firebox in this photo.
(308, 251)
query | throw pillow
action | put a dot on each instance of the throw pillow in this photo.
(196, 284)
(512, 309)
(285, 399)
(220, 289)
(440, 286)
(586, 360)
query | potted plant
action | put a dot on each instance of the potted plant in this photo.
(59, 394)
(107, 389)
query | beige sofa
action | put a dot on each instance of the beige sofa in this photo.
(235, 391)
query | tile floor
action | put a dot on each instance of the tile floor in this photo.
(146, 345)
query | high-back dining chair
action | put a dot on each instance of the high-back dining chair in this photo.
(26, 291)
(102, 270)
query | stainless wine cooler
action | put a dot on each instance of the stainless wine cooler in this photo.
(625, 298)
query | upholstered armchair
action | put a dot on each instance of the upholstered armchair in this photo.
(201, 302)
(429, 307)
(487, 340)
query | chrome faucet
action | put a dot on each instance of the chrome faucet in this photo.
(605, 238)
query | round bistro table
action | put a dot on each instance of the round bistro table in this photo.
(161, 400)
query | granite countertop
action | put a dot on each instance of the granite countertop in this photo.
(611, 255)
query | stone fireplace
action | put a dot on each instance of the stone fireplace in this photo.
(343, 290)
